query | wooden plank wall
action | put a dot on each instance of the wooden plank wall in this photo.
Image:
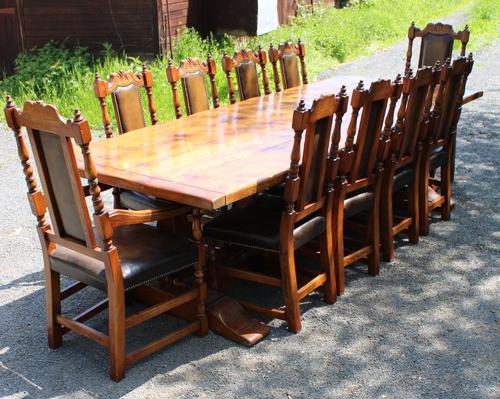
(11, 41)
(183, 13)
(288, 8)
(126, 24)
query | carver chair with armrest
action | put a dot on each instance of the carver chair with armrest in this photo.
(124, 89)
(244, 63)
(436, 43)
(119, 254)
(192, 74)
(286, 56)
(399, 198)
(281, 225)
(438, 148)
(356, 203)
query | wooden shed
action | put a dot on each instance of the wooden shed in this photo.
(140, 27)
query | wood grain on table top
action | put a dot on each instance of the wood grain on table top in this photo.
(212, 158)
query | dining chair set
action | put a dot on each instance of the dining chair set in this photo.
(353, 183)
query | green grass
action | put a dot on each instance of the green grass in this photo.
(64, 77)
(484, 23)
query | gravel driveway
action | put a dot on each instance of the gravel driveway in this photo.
(426, 327)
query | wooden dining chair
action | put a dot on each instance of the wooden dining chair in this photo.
(281, 225)
(286, 55)
(192, 73)
(116, 255)
(244, 63)
(436, 43)
(358, 186)
(399, 198)
(123, 88)
(438, 149)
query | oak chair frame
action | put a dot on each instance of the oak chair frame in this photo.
(297, 207)
(190, 65)
(442, 133)
(39, 117)
(413, 119)
(350, 178)
(103, 88)
(230, 64)
(435, 29)
(276, 56)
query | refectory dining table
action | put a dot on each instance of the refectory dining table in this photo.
(210, 160)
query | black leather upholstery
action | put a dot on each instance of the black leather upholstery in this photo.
(128, 108)
(137, 201)
(195, 92)
(402, 178)
(145, 253)
(435, 48)
(438, 158)
(59, 182)
(248, 81)
(290, 71)
(258, 225)
(359, 201)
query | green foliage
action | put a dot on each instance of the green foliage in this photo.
(484, 22)
(64, 77)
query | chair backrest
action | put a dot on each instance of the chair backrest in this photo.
(192, 73)
(362, 142)
(449, 98)
(52, 139)
(244, 62)
(306, 185)
(436, 45)
(286, 55)
(123, 87)
(414, 112)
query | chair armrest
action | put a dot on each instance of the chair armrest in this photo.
(471, 97)
(122, 217)
(86, 189)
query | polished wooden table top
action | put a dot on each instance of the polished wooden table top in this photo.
(212, 158)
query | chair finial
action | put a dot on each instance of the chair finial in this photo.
(447, 64)
(77, 116)
(343, 90)
(398, 79)
(302, 105)
(361, 85)
(470, 57)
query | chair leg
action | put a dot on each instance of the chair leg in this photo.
(53, 307)
(289, 283)
(326, 254)
(446, 191)
(338, 243)
(211, 268)
(423, 198)
(413, 233)
(386, 210)
(116, 312)
(374, 236)
(116, 198)
(201, 314)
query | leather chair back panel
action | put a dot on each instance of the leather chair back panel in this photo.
(195, 92)
(59, 186)
(435, 48)
(448, 107)
(290, 71)
(248, 81)
(319, 157)
(413, 120)
(376, 112)
(128, 108)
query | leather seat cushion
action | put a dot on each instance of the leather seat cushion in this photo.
(138, 201)
(258, 225)
(145, 253)
(359, 201)
(437, 158)
(402, 178)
